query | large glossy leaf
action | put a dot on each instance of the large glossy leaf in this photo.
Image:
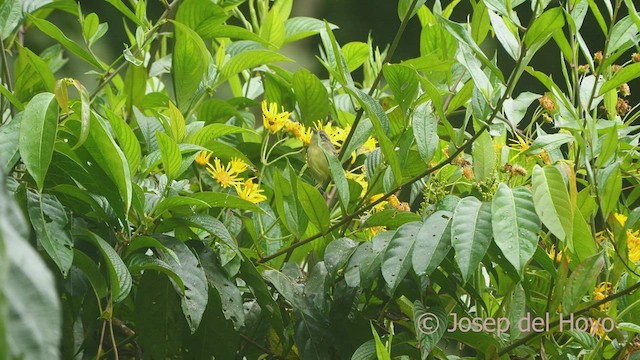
(396, 262)
(195, 297)
(30, 311)
(313, 205)
(109, 157)
(224, 200)
(190, 64)
(170, 153)
(582, 280)
(10, 17)
(552, 202)
(230, 295)
(543, 27)
(10, 143)
(302, 27)
(119, 276)
(471, 234)
(249, 59)
(515, 224)
(311, 96)
(53, 31)
(504, 35)
(624, 75)
(287, 204)
(403, 82)
(433, 242)
(484, 157)
(49, 220)
(216, 228)
(37, 135)
(126, 139)
(159, 323)
(430, 324)
(425, 131)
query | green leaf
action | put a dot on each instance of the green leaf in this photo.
(623, 35)
(552, 202)
(118, 4)
(110, 158)
(212, 29)
(403, 8)
(272, 29)
(190, 64)
(301, 27)
(38, 134)
(10, 143)
(338, 177)
(195, 297)
(287, 204)
(90, 269)
(581, 281)
(158, 320)
(390, 218)
(430, 324)
(171, 157)
(337, 254)
(471, 233)
(54, 32)
(224, 200)
(314, 206)
(396, 262)
(119, 276)
(380, 122)
(250, 59)
(462, 35)
(484, 157)
(216, 228)
(543, 28)
(49, 220)
(505, 36)
(624, 75)
(610, 183)
(32, 75)
(433, 243)
(515, 224)
(425, 131)
(311, 96)
(30, 310)
(205, 136)
(381, 351)
(139, 263)
(230, 295)
(10, 17)
(583, 244)
(126, 139)
(175, 202)
(403, 82)
(257, 286)
(355, 54)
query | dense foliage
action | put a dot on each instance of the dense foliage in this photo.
(168, 210)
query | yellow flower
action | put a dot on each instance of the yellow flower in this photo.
(250, 191)
(237, 166)
(397, 204)
(380, 206)
(368, 146)
(602, 291)
(272, 119)
(622, 219)
(633, 244)
(375, 230)
(203, 157)
(552, 254)
(223, 175)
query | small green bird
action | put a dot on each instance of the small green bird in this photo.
(316, 158)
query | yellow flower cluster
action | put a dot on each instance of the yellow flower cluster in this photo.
(392, 201)
(553, 252)
(602, 291)
(275, 121)
(633, 239)
(228, 176)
